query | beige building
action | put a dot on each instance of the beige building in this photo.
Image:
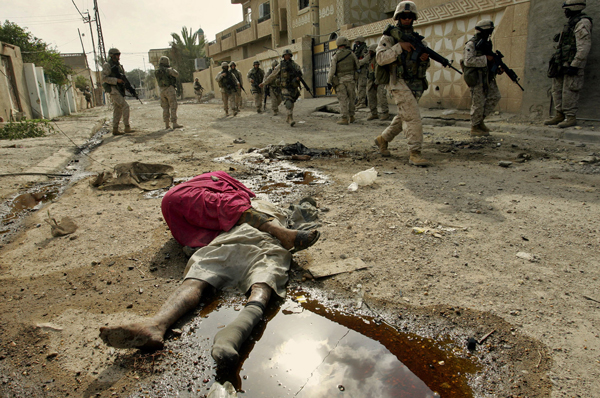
(14, 98)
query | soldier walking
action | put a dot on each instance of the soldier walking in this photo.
(256, 76)
(478, 62)
(167, 81)
(88, 97)
(198, 89)
(376, 93)
(274, 90)
(114, 84)
(568, 62)
(229, 87)
(287, 74)
(395, 56)
(361, 51)
(238, 76)
(341, 77)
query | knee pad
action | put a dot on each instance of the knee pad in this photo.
(289, 104)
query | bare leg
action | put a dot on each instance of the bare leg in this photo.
(229, 340)
(150, 333)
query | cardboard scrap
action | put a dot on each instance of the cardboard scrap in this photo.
(346, 265)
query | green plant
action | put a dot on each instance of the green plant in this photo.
(81, 82)
(26, 129)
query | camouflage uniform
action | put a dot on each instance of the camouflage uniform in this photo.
(376, 93)
(238, 93)
(88, 98)
(198, 90)
(286, 74)
(361, 50)
(574, 45)
(342, 77)
(256, 77)
(167, 80)
(110, 73)
(229, 88)
(274, 92)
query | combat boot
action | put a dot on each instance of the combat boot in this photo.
(235, 112)
(116, 131)
(177, 125)
(477, 131)
(372, 116)
(559, 117)
(384, 116)
(290, 120)
(275, 113)
(416, 159)
(343, 121)
(226, 113)
(128, 129)
(167, 126)
(484, 127)
(352, 119)
(259, 110)
(382, 144)
(570, 121)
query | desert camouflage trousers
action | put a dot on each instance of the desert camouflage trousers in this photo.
(482, 103)
(346, 95)
(168, 102)
(408, 118)
(289, 99)
(565, 93)
(377, 96)
(121, 108)
(276, 98)
(229, 100)
(258, 100)
(238, 100)
(361, 87)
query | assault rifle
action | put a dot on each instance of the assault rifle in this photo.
(295, 74)
(126, 84)
(417, 42)
(267, 94)
(498, 63)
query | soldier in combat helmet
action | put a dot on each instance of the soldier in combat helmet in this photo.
(376, 93)
(238, 75)
(568, 62)
(361, 51)
(256, 76)
(395, 55)
(114, 84)
(167, 81)
(229, 85)
(287, 74)
(274, 90)
(341, 77)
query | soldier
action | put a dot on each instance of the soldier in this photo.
(568, 62)
(167, 81)
(229, 87)
(287, 74)
(114, 84)
(256, 76)
(198, 89)
(479, 58)
(274, 89)
(396, 56)
(361, 51)
(238, 76)
(341, 77)
(88, 97)
(376, 93)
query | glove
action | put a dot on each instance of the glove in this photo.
(572, 71)
(329, 86)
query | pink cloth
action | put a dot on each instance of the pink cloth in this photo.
(198, 210)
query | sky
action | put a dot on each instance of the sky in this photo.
(132, 26)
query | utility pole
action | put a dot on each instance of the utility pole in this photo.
(88, 67)
(87, 19)
(101, 48)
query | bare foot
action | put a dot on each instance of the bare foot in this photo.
(135, 335)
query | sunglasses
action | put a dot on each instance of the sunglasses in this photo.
(406, 17)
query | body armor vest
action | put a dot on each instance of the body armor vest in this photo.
(258, 75)
(567, 46)
(287, 73)
(228, 82)
(164, 79)
(345, 62)
(409, 69)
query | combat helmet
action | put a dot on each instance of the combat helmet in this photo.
(406, 6)
(287, 51)
(484, 25)
(256, 63)
(164, 61)
(360, 39)
(232, 63)
(342, 41)
(224, 65)
(114, 51)
(574, 5)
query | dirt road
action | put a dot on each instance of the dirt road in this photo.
(459, 249)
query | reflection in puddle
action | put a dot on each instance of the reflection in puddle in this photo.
(308, 350)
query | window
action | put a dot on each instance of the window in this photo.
(302, 4)
(264, 12)
(248, 15)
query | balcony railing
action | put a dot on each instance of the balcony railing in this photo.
(243, 28)
(264, 18)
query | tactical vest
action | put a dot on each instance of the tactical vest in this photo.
(116, 71)
(474, 76)
(257, 75)
(228, 82)
(163, 77)
(237, 75)
(345, 63)
(409, 69)
(287, 74)
(567, 46)
(274, 83)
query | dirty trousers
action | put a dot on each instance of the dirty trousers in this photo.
(483, 104)
(121, 108)
(376, 94)
(258, 100)
(361, 87)
(168, 102)
(346, 95)
(229, 100)
(408, 113)
(276, 98)
(565, 93)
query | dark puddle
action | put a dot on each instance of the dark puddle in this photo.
(304, 349)
(13, 210)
